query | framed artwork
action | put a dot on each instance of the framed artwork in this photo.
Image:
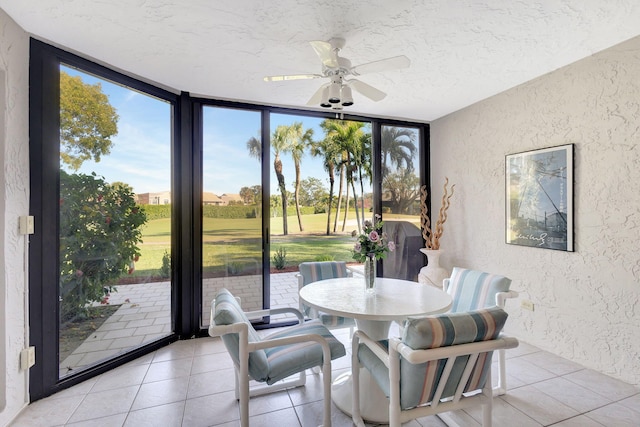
(539, 198)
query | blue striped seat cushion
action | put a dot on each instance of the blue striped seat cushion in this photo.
(287, 360)
(331, 320)
(323, 270)
(418, 382)
(227, 312)
(472, 290)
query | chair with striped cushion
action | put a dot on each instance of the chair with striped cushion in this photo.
(276, 357)
(471, 290)
(323, 270)
(441, 364)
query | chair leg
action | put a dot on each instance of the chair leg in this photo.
(487, 408)
(501, 387)
(355, 384)
(326, 380)
(237, 381)
(244, 400)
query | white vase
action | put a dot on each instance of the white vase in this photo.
(432, 273)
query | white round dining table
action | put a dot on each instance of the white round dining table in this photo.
(392, 300)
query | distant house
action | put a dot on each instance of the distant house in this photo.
(232, 199)
(211, 199)
(162, 198)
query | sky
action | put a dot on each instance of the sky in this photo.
(140, 154)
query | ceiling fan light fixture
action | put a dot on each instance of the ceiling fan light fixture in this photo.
(334, 93)
(345, 94)
(324, 103)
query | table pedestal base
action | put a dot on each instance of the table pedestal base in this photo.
(374, 405)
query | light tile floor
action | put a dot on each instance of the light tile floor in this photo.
(190, 383)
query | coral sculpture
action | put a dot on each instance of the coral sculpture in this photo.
(432, 236)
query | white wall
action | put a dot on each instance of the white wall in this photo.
(14, 201)
(587, 304)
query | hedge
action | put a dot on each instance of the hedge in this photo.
(227, 212)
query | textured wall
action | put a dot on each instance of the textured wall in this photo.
(586, 302)
(14, 201)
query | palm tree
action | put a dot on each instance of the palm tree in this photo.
(279, 143)
(300, 139)
(342, 165)
(346, 135)
(398, 147)
(363, 163)
(327, 149)
(255, 148)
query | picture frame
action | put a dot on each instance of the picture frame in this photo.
(539, 198)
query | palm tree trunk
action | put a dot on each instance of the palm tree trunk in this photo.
(296, 195)
(277, 166)
(331, 185)
(339, 204)
(346, 208)
(362, 194)
(355, 204)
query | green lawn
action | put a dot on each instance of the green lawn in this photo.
(234, 245)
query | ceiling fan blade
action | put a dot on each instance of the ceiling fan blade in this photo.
(317, 97)
(326, 53)
(291, 77)
(393, 63)
(367, 90)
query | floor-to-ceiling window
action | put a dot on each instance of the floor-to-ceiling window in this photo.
(114, 219)
(101, 194)
(400, 171)
(321, 187)
(232, 223)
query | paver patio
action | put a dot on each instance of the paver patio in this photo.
(145, 313)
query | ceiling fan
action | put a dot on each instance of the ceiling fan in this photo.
(337, 92)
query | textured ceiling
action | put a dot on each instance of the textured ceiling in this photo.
(461, 51)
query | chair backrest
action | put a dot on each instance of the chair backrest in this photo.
(472, 289)
(227, 312)
(322, 270)
(419, 382)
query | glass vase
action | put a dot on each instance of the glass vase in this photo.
(370, 274)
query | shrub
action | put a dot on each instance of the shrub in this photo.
(234, 268)
(325, 257)
(280, 259)
(165, 269)
(99, 230)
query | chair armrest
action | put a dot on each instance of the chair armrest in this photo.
(271, 311)
(501, 297)
(242, 328)
(234, 328)
(361, 337)
(276, 342)
(422, 356)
